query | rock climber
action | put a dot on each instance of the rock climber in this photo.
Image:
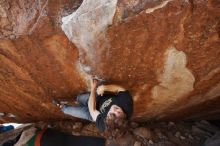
(109, 106)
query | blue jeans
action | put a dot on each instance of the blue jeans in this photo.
(81, 110)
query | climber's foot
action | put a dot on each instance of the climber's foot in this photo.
(57, 103)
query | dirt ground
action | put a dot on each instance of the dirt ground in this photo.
(184, 133)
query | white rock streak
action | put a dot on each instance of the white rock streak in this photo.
(163, 4)
(41, 13)
(176, 79)
(89, 22)
(175, 82)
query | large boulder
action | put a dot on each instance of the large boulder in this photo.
(167, 53)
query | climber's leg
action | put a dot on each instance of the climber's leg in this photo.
(82, 99)
(77, 111)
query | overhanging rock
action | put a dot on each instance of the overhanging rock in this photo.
(167, 53)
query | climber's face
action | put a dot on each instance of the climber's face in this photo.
(115, 111)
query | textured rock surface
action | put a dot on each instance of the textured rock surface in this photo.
(167, 53)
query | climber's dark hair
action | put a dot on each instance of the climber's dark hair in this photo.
(115, 127)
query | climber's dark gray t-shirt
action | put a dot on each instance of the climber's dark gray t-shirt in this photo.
(122, 99)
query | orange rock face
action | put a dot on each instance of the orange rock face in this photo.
(167, 53)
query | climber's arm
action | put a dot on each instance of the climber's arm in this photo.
(109, 88)
(92, 101)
